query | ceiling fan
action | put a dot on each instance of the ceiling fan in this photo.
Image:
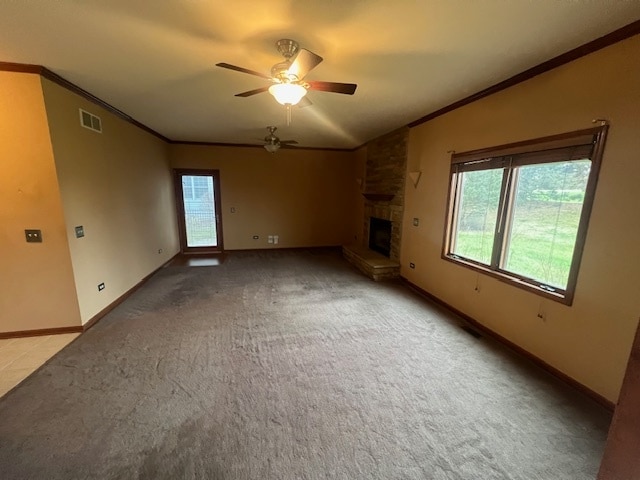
(288, 77)
(272, 143)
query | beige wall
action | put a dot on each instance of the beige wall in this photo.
(360, 159)
(117, 185)
(36, 279)
(306, 197)
(591, 340)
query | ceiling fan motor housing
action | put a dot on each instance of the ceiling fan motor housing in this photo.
(287, 47)
(280, 72)
(271, 138)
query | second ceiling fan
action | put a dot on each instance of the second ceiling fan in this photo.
(272, 143)
(288, 78)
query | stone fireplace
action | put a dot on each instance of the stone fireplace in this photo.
(384, 185)
(383, 191)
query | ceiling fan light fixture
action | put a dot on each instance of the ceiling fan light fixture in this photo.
(287, 93)
(272, 147)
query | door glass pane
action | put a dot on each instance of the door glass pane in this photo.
(544, 223)
(199, 210)
(477, 214)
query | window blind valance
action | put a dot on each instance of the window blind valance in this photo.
(567, 146)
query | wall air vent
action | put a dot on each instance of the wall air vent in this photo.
(90, 121)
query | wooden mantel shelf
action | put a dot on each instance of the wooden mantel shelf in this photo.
(379, 197)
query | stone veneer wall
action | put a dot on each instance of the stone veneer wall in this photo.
(385, 174)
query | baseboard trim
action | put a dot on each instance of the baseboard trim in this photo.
(93, 320)
(40, 332)
(283, 249)
(102, 313)
(512, 346)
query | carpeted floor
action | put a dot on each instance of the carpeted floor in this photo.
(291, 365)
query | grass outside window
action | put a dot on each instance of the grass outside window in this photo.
(520, 212)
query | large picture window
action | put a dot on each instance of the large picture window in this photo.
(520, 211)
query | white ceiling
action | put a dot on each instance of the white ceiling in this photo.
(154, 59)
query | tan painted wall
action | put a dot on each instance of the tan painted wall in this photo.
(591, 340)
(306, 197)
(360, 158)
(36, 279)
(118, 185)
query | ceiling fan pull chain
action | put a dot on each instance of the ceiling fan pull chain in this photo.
(288, 106)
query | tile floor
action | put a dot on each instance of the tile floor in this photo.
(198, 260)
(20, 357)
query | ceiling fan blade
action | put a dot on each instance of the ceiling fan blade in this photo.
(242, 70)
(288, 142)
(304, 102)
(252, 92)
(345, 88)
(303, 63)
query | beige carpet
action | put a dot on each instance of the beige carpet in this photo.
(291, 365)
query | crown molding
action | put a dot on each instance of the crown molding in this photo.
(254, 145)
(20, 67)
(616, 36)
(63, 82)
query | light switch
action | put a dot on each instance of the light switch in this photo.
(79, 231)
(33, 236)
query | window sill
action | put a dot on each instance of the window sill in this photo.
(563, 297)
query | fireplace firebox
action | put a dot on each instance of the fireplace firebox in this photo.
(380, 235)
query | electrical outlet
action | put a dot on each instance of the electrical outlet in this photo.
(416, 222)
(276, 238)
(270, 239)
(412, 265)
(101, 286)
(33, 236)
(79, 231)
